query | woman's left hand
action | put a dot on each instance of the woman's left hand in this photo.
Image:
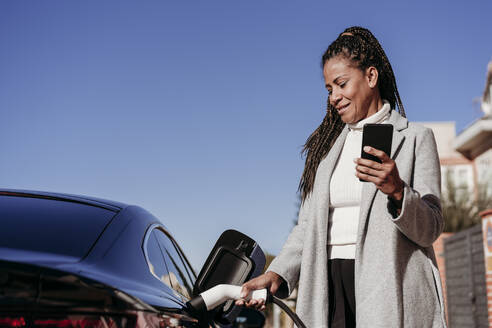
(384, 175)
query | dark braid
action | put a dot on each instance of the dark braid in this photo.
(363, 49)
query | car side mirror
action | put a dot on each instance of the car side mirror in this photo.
(235, 259)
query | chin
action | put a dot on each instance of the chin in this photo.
(348, 120)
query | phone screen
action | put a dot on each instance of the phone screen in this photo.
(378, 136)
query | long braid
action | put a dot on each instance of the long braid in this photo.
(318, 144)
(359, 45)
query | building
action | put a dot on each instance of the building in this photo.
(453, 164)
(475, 142)
(467, 157)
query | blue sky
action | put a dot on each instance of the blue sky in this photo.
(197, 110)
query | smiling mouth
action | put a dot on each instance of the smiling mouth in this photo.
(341, 109)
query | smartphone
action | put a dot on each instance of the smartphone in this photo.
(378, 136)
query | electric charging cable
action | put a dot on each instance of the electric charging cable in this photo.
(289, 312)
(215, 296)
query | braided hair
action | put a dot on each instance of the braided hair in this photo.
(362, 48)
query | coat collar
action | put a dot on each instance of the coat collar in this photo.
(399, 123)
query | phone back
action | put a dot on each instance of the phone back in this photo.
(378, 136)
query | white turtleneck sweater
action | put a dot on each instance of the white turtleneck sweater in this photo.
(346, 190)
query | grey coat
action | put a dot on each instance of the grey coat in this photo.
(397, 282)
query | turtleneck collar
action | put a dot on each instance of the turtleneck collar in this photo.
(380, 116)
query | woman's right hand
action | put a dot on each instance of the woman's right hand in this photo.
(269, 280)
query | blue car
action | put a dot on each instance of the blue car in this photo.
(76, 261)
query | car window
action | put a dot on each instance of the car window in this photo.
(157, 265)
(51, 225)
(179, 274)
(186, 263)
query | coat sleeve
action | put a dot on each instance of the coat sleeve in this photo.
(421, 218)
(288, 263)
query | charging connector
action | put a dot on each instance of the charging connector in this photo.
(215, 296)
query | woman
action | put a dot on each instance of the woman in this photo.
(361, 252)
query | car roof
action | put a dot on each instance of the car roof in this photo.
(92, 201)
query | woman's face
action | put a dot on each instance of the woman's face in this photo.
(352, 91)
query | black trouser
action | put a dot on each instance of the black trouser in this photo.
(342, 293)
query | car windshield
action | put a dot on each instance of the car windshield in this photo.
(50, 225)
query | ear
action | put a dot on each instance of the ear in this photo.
(372, 76)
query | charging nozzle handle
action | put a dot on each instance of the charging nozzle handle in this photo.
(215, 296)
(221, 293)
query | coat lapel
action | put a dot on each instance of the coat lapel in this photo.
(399, 123)
(369, 189)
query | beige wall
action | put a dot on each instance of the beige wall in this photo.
(460, 168)
(444, 132)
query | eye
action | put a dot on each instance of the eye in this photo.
(343, 84)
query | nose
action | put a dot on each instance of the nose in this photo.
(335, 97)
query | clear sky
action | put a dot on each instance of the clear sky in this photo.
(197, 110)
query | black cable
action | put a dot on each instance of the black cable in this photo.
(289, 312)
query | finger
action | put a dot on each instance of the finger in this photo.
(248, 287)
(252, 303)
(376, 152)
(368, 163)
(369, 171)
(262, 308)
(376, 180)
(244, 291)
(239, 302)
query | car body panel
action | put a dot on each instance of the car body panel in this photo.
(116, 260)
(31, 292)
